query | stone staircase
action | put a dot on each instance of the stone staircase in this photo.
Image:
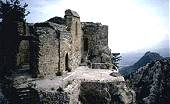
(24, 96)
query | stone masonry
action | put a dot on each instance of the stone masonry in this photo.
(95, 45)
(60, 45)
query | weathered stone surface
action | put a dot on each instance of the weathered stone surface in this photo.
(59, 48)
(48, 49)
(105, 93)
(74, 24)
(105, 58)
(59, 44)
(69, 12)
(96, 36)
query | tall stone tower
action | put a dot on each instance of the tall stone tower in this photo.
(73, 24)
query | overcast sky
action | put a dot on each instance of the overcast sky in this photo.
(133, 24)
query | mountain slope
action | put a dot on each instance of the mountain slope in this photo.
(162, 47)
(147, 58)
(152, 83)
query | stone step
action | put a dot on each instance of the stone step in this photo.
(23, 91)
(25, 95)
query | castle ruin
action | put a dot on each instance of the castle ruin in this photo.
(60, 61)
(60, 45)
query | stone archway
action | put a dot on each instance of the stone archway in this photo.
(27, 54)
(23, 55)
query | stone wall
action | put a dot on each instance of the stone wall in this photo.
(95, 42)
(59, 44)
(65, 52)
(96, 33)
(57, 51)
(48, 49)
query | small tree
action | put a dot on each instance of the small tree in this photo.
(12, 10)
(115, 59)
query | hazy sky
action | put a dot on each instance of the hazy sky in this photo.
(133, 24)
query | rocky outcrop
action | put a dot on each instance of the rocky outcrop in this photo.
(152, 83)
(106, 93)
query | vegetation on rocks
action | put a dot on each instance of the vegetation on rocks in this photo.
(152, 83)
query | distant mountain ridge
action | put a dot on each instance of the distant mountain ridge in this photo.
(147, 58)
(162, 47)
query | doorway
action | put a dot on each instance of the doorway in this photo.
(86, 44)
(23, 55)
(66, 64)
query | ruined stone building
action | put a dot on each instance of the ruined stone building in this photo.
(60, 45)
(58, 62)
